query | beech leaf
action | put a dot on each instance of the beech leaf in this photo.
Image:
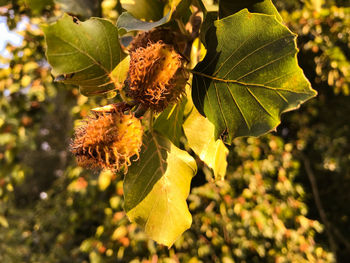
(84, 8)
(169, 122)
(144, 15)
(83, 53)
(149, 10)
(229, 7)
(156, 188)
(200, 132)
(129, 23)
(249, 76)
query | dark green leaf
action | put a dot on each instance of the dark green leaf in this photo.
(182, 11)
(156, 188)
(249, 76)
(83, 8)
(229, 7)
(207, 24)
(83, 53)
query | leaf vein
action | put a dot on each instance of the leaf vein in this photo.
(254, 51)
(265, 65)
(85, 54)
(239, 108)
(109, 46)
(143, 167)
(280, 77)
(259, 102)
(220, 106)
(230, 56)
(159, 154)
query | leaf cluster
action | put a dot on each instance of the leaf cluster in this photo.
(241, 87)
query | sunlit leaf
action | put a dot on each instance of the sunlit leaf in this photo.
(249, 76)
(119, 74)
(200, 133)
(229, 7)
(133, 20)
(170, 121)
(149, 10)
(83, 53)
(156, 188)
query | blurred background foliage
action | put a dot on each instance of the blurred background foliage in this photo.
(285, 197)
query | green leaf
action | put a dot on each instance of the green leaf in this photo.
(182, 10)
(37, 6)
(200, 133)
(156, 188)
(120, 72)
(249, 76)
(208, 22)
(207, 5)
(133, 20)
(149, 10)
(169, 122)
(84, 8)
(83, 53)
(172, 4)
(229, 7)
(129, 23)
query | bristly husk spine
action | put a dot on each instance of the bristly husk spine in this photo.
(156, 76)
(165, 35)
(108, 139)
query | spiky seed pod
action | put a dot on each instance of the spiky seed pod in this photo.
(107, 139)
(156, 76)
(166, 35)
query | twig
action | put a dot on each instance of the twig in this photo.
(140, 111)
(319, 205)
(341, 237)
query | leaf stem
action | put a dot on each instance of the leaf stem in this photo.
(182, 27)
(212, 77)
(140, 111)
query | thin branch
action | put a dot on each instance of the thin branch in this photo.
(341, 237)
(319, 205)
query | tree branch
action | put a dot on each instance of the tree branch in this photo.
(319, 205)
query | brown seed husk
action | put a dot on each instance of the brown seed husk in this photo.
(107, 139)
(165, 35)
(156, 76)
